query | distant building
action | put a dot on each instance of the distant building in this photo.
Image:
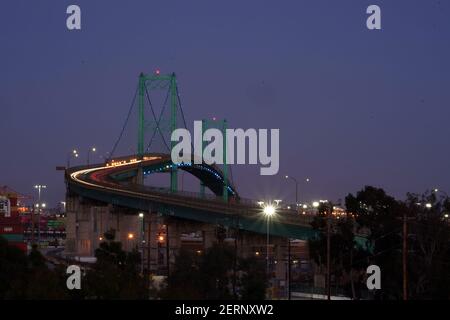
(10, 223)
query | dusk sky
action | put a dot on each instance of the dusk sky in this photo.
(354, 106)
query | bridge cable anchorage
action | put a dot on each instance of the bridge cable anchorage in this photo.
(125, 124)
(158, 121)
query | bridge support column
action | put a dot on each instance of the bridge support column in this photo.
(209, 235)
(86, 223)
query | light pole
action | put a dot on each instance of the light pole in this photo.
(269, 211)
(73, 153)
(39, 205)
(64, 206)
(289, 268)
(93, 149)
(130, 238)
(296, 189)
(141, 239)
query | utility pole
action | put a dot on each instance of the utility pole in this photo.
(167, 247)
(328, 254)
(267, 247)
(236, 236)
(289, 269)
(405, 256)
(32, 224)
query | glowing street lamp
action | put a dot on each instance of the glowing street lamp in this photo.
(141, 238)
(39, 205)
(73, 153)
(269, 211)
(93, 149)
(296, 187)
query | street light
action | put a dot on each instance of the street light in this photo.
(39, 188)
(296, 188)
(269, 211)
(141, 238)
(93, 149)
(64, 206)
(73, 153)
(436, 190)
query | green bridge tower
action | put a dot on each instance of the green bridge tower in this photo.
(157, 81)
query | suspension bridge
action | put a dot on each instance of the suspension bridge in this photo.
(157, 220)
(119, 181)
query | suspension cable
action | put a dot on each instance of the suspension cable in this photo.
(185, 126)
(181, 108)
(158, 121)
(124, 125)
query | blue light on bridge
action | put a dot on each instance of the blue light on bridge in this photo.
(182, 164)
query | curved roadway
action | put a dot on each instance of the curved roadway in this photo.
(113, 182)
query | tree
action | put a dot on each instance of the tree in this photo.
(13, 271)
(210, 275)
(28, 277)
(185, 281)
(429, 249)
(379, 216)
(115, 275)
(216, 268)
(253, 280)
(345, 254)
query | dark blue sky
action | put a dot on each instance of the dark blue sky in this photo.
(354, 107)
